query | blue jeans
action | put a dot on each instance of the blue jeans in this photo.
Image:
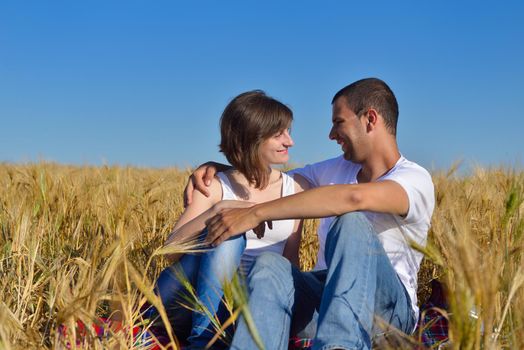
(339, 303)
(206, 272)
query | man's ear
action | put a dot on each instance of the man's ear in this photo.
(371, 119)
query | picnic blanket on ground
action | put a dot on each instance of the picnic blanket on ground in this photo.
(104, 328)
(432, 327)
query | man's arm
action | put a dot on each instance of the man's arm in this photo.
(384, 196)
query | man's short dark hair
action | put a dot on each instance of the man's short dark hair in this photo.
(371, 93)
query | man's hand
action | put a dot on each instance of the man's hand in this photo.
(232, 222)
(201, 179)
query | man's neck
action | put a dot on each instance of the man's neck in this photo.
(379, 163)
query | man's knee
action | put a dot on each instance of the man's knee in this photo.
(352, 219)
(352, 234)
(350, 224)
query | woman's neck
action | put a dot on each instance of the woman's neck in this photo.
(247, 191)
(274, 177)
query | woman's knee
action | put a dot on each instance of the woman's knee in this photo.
(233, 247)
(225, 258)
(271, 270)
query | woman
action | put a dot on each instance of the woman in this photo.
(254, 135)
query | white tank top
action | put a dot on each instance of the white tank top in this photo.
(274, 239)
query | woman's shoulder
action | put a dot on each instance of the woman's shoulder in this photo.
(233, 177)
(215, 191)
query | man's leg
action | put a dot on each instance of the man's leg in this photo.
(277, 292)
(359, 279)
(217, 266)
(392, 302)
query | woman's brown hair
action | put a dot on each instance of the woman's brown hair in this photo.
(248, 120)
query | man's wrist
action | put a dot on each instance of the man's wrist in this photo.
(258, 212)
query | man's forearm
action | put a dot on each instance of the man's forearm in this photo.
(383, 197)
(315, 203)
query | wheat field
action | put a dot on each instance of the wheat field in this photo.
(78, 243)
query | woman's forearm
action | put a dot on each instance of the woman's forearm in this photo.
(190, 230)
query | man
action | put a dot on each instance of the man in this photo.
(377, 205)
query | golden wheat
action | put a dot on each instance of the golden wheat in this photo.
(75, 241)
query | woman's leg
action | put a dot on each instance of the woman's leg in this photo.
(217, 266)
(173, 294)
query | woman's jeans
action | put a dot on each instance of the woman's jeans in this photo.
(339, 303)
(206, 271)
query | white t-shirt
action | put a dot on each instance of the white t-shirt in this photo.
(274, 240)
(394, 232)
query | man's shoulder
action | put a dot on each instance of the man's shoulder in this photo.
(412, 177)
(333, 170)
(418, 185)
(405, 166)
(334, 163)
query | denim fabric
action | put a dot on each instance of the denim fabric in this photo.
(340, 303)
(206, 272)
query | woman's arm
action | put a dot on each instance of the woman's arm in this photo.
(193, 219)
(291, 250)
(201, 179)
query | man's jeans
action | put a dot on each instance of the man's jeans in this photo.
(339, 302)
(206, 272)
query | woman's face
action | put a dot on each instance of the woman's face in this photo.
(274, 150)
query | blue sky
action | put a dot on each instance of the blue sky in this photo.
(144, 82)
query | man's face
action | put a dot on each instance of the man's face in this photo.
(349, 131)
